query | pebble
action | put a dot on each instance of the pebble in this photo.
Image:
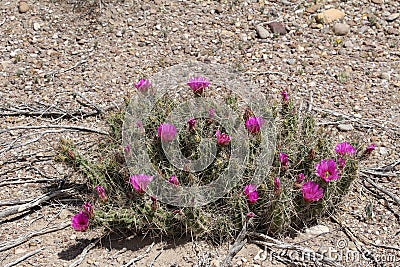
(341, 29)
(330, 15)
(383, 151)
(393, 17)
(118, 34)
(262, 32)
(345, 127)
(277, 27)
(317, 230)
(36, 26)
(313, 8)
(23, 7)
(348, 44)
(65, 214)
(378, 2)
(384, 76)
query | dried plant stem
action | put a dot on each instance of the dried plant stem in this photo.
(35, 202)
(22, 239)
(44, 180)
(138, 258)
(26, 256)
(68, 127)
(240, 241)
(96, 107)
(386, 192)
(85, 251)
(277, 244)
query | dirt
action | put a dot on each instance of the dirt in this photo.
(81, 58)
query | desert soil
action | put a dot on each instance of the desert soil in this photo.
(80, 57)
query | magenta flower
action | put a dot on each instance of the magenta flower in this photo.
(251, 193)
(250, 215)
(80, 222)
(312, 191)
(285, 96)
(222, 139)
(341, 163)
(300, 178)
(140, 182)
(344, 149)
(284, 159)
(326, 169)
(101, 192)
(192, 124)
(143, 85)
(211, 113)
(197, 84)
(173, 180)
(166, 132)
(254, 124)
(277, 185)
(369, 150)
(127, 149)
(88, 209)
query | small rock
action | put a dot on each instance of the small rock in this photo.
(65, 214)
(377, 2)
(23, 7)
(330, 15)
(341, 29)
(291, 61)
(313, 8)
(36, 26)
(393, 17)
(215, 263)
(72, 237)
(277, 27)
(262, 32)
(383, 151)
(345, 127)
(317, 230)
(89, 261)
(348, 44)
(227, 34)
(384, 76)
(118, 34)
(19, 250)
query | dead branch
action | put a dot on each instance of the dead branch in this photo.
(379, 174)
(28, 255)
(277, 244)
(13, 202)
(68, 127)
(44, 180)
(138, 258)
(96, 107)
(386, 192)
(84, 253)
(54, 73)
(240, 241)
(387, 168)
(35, 202)
(25, 237)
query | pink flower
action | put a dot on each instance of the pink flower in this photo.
(173, 180)
(80, 222)
(127, 149)
(300, 178)
(251, 193)
(101, 192)
(192, 124)
(140, 182)
(222, 139)
(211, 113)
(369, 150)
(284, 159)
(253, 124)
(197, 84)
(277, 185)
(88, 209)
(250, 215)
(285, 96)
(312, 191)
(326, 169)
(344, 149)
(341, 163)
(166, 132)
(143, 85)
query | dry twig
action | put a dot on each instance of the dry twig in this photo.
(386, 192)
(68, 127)
(240, 241)
(28, 255)
(138, 258)
(84, 253)
(25, 237)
